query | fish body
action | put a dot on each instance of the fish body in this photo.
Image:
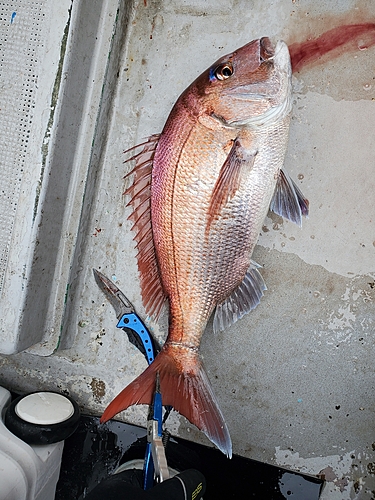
(200, 194)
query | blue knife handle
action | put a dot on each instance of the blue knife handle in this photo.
(133, 322)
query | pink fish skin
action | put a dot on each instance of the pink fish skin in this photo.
(201, 191)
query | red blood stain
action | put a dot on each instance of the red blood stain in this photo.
(338, 40)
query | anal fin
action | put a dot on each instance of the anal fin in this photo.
(242, 300)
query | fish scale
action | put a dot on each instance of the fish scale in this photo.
(206, 185)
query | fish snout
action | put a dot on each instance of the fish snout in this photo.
(282, 58)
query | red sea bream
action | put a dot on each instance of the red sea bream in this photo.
(200, 194)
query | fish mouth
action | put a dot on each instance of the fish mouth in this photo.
(266, 49)
(278, 53)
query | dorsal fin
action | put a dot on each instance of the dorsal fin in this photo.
(242, 300)
(153, 296)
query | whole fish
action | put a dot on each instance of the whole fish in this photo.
(200, 194)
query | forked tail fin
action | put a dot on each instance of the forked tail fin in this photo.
(185, 386)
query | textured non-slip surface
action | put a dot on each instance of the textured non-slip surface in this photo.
(22, 35)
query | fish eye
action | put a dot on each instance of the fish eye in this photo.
(224, 71)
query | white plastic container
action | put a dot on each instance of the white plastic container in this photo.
(27, 472)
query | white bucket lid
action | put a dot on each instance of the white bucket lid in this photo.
(44, 408)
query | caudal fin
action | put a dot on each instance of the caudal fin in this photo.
(185, 386)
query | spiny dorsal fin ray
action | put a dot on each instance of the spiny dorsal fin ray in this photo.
(288, 201)
(242, 300)
(153, 296)
(149, 145)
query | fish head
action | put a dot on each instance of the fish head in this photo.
(247, 88)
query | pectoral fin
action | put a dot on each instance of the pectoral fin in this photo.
(229, 179)
(288, 201)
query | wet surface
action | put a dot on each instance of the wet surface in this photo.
(95, 451)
